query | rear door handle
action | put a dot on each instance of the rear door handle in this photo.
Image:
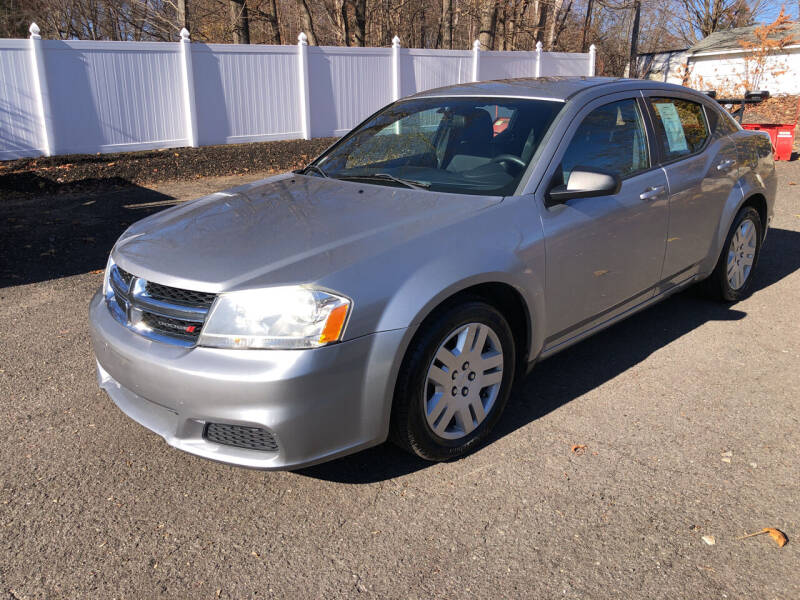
(726, 164)
(652, 192)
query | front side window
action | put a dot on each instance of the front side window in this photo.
(610, 139)
(681, 126)
(461, 145)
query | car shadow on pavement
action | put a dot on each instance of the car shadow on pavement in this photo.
(63, 234)
(585, 366)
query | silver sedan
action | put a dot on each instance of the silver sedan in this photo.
(399, 284)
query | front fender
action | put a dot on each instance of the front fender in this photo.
(436, 280)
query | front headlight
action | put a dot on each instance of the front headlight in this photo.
(279, 317)
(106, 275)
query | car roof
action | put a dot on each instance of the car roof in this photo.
(545, 88)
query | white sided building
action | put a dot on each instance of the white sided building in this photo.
(721, 62)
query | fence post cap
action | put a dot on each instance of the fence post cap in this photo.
(538, 46)
(34, 31)
(592, 48)
(302, 39)
(185, 35)
(476, 45)
(395, 42)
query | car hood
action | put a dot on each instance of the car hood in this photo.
(287, 229)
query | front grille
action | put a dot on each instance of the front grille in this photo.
(157, 311)
(252, 438)
(181, 328)
(178, 296)
(125, 276)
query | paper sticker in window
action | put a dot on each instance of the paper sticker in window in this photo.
(676, 139)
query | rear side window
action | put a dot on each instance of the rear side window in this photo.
(610, 139)
(681, 125)
(725, 123)
(720, 121)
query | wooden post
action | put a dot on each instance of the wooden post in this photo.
(592, 59)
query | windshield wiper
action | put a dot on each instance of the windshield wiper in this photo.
(316, 169)
(409, 183)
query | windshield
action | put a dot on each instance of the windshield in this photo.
(462, 145)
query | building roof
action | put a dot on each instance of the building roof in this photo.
(730, 39)
(658, 52)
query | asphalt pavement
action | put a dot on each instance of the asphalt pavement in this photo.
(614, 460)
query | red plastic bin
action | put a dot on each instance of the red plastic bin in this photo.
(781, 136)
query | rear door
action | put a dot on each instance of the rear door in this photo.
(604, 254)
(701, 163)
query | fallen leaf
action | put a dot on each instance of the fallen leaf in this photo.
(96, 271)
(709, 539)
(776, 534)
(578, 448)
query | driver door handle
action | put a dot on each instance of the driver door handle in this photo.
(652, 192)
(726, 164)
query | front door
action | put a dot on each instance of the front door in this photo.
(604, 254)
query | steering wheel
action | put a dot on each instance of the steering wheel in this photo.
(512, 158)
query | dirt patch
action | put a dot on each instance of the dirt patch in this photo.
(85, 172)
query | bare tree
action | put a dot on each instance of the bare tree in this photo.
(446, 25)
(239, 21)
(337, 15)
(488, 23)
(183, 15)
(637, 13)
(586, 24)
(360, 32)
(701, 18)
(306, 22)
(268, 13)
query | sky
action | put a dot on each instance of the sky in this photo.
(773, 8)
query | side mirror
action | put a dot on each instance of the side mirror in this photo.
(584, 183)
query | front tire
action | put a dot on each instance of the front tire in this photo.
(732, 277)
(454, 382)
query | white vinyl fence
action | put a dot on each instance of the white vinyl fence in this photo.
(63, 97)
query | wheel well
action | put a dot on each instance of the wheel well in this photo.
(511, 305)
(758, 202)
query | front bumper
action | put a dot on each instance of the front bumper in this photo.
(318, 404)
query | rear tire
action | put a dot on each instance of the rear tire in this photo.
(454, 382)
(732, 277)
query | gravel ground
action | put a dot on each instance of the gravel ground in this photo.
(688, 412)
